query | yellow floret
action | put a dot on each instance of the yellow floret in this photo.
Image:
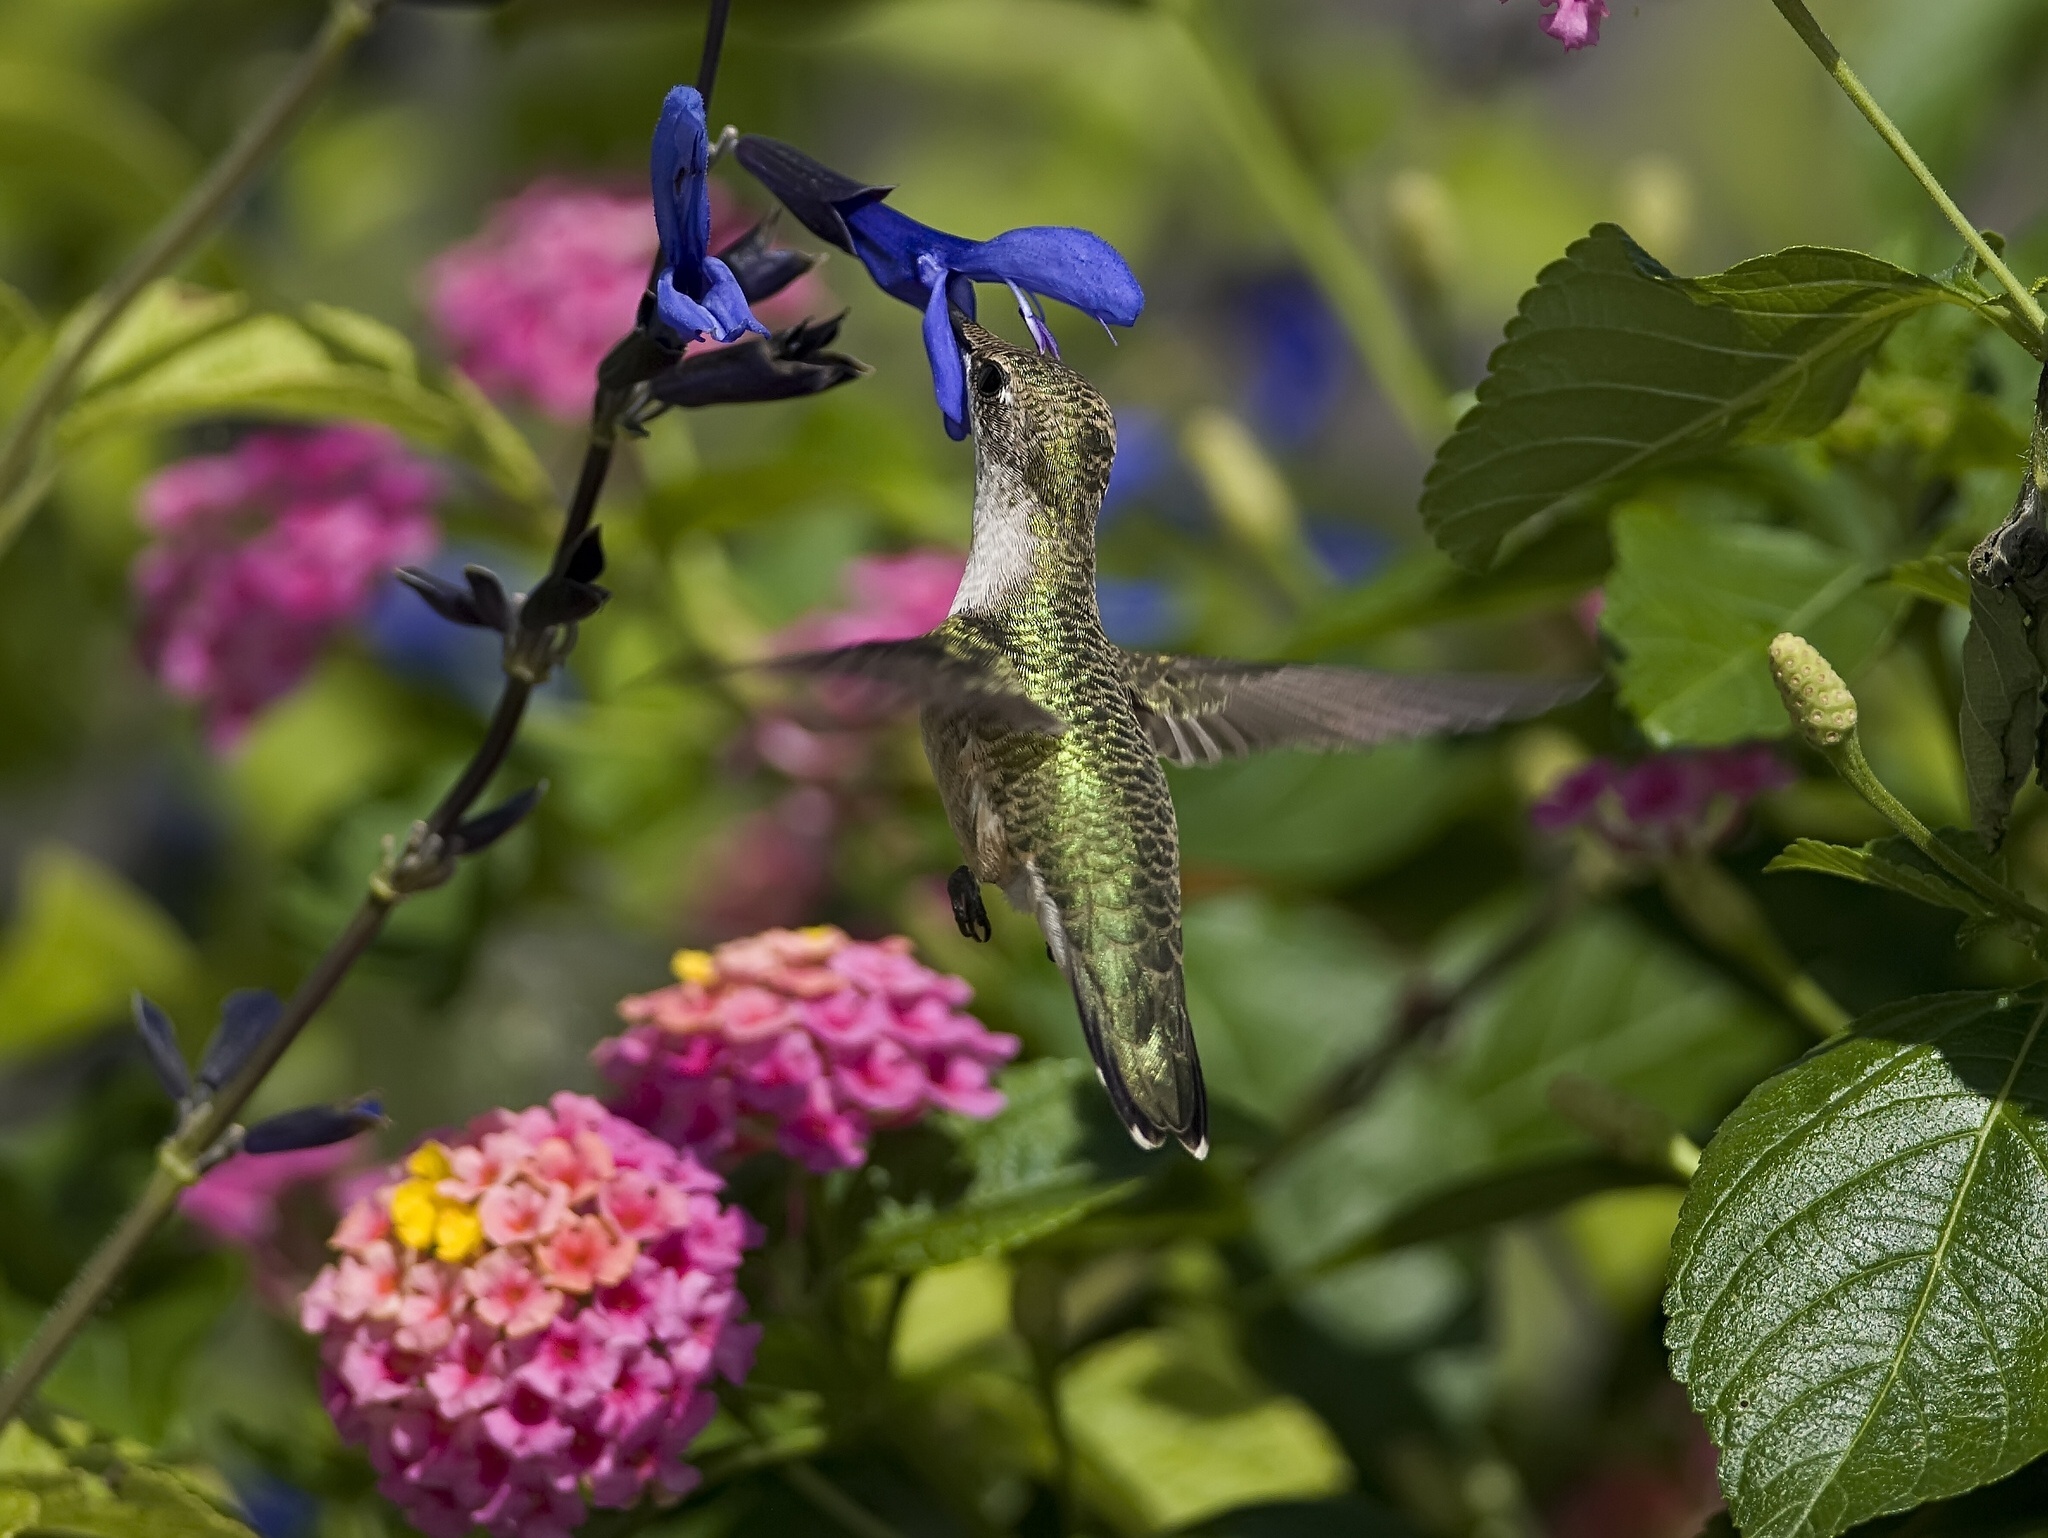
(415, 1213)
(694, 967)
(457, 1233)
(429, 1161)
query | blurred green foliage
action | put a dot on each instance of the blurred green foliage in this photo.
(1427, 1309)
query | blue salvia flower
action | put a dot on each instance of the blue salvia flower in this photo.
(695, 294)
(937, 272)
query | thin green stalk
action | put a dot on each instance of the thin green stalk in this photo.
(1716, 907)
(835, 1503)
(1362, 298)
(182, 229)
(1810, 33)
(1849, 762)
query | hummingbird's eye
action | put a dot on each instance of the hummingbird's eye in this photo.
(988, 381)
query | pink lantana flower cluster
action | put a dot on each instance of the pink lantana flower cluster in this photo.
(261, 554)
(524, 1322)
(1665, 807)
(1574, 23)
(530, 306)
(801, 1040)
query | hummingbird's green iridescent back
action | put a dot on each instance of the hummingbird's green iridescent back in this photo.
(1078, 827)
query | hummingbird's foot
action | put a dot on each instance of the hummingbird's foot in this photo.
(968, 911)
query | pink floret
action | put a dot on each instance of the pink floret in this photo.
(805, 1041)
(566, 1367)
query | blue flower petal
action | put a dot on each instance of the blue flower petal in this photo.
(682, 206)
(949, 374)
(1073, 266)
(889, 245)
(727, 302)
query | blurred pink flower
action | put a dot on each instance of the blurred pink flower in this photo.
(768, 867)
(277, 1209)
(261, 554)
(513, 1385)
(800, 1040)
(530, 306)
(236, 1201)
(1668, 805)
(1577, 22)
(894, 598)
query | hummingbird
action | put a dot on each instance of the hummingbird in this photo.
(1046, 738)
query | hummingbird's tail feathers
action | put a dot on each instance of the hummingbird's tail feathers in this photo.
(948, 668)
(1202, 710)
(1144, 1050)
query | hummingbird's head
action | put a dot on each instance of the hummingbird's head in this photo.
(1038, 425)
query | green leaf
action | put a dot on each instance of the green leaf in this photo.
(1614, 368)
(1602, 999)
(76, 1484)
(1169, 1430)
(1894, 863)
(2000, 723)
(81, 941)
(1036, 1139)
(192, 355)
(1323, 818)
(903, 1240)
(1518, 1192)
(1855, 1304)
(1426, 588)
(1282, 994)
(1694, 607)
(166, 316)
(86, 143)
(1943, 578)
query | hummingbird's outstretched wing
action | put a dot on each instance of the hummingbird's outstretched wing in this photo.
(1202, 710)
(953, 667)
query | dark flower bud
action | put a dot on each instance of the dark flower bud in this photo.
(481, 602)
(789, 364)
(761, 267)
(487, 597)
(313, 1126)
(571, 594)
(160, 1043)
(636, 358)
(560, 601)
(486, 828)
(586, 561)
(818, 195)
(246, 1017)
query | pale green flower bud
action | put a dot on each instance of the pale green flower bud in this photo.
(1819, 703)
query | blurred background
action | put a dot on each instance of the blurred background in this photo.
(1463, 1376)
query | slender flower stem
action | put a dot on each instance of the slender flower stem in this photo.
(183, 228)
(1716, 907)
(1363, 300)
(1810, 33)
(1849, 762)
(835, 1503)
(714, 45)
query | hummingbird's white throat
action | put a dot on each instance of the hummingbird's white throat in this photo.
(999, 554)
